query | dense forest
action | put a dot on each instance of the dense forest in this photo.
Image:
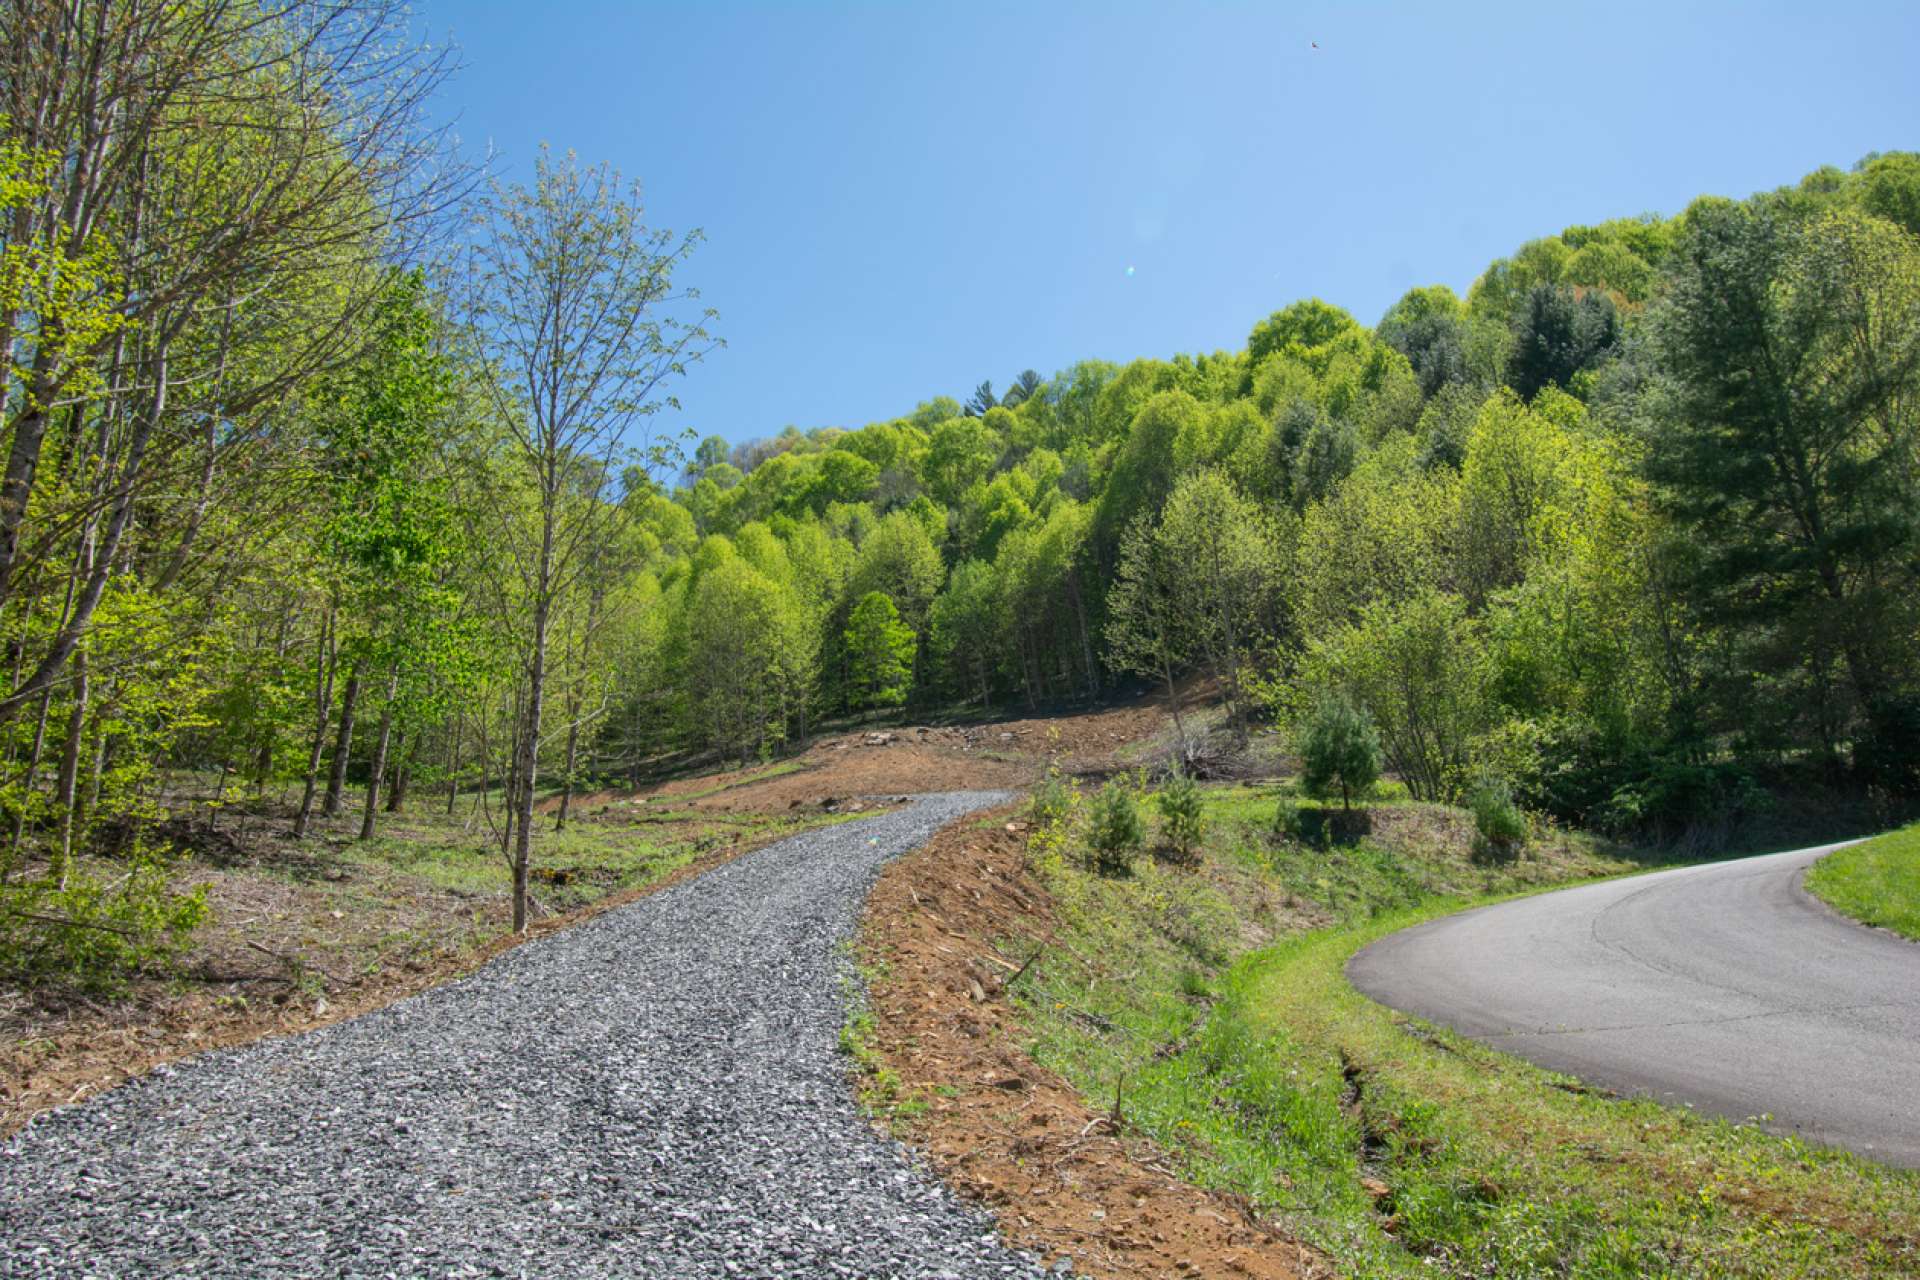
(331, 462)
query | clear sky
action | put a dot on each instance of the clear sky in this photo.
(900, 200)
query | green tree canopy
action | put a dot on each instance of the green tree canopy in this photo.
(880, 648)
(1308, 323)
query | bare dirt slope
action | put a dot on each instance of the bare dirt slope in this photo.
(919, 759)
(947, 928)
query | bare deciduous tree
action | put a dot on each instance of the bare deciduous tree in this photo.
(578, 326)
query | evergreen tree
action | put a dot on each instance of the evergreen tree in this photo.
(1784, 430)
(1560, 332)
(1339, 752)
(981, 400)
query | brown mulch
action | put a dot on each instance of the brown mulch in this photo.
(1059, 1176)
(59, 1048)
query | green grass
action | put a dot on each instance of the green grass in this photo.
(603, 850)
(883, 1095)
(587, 861)
(1877, 882)
(758, 775)
(1216, 1006)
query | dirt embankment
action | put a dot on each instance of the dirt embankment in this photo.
(950, 927)
(894, 761)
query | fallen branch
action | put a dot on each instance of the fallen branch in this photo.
(1022, 970)
(70, 922)
(297, 961)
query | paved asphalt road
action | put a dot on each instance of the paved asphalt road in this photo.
(1726, 987)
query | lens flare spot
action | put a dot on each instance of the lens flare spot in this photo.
(1129, 271)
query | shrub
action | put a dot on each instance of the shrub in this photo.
(1183, 818)
(1419, 668)
(1288, 823)
(96, 933)
(1340, 752)
(1052, 801)
(1051, 814)
(1502, 828)
(1114, 833)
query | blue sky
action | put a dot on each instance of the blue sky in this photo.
(902, 200)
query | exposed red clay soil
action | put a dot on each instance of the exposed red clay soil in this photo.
(899, 761)
(1058, 1175)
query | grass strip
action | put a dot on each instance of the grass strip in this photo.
(1877, 882)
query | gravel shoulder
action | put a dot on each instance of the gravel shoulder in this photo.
(656, 1092)
(1723, 987)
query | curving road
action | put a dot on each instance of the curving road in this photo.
(1725, 987)
(655, 1092)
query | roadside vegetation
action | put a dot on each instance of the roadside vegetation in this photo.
(1877, 882)
(305, 496)
(1202, 1003)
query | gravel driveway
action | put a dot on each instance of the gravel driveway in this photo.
(655, 1093)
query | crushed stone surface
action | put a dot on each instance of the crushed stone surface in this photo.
(655, 1093)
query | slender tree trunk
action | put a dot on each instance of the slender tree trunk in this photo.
(263, 758)
(324, 663)
(1173, 704)
(342, 747)
(403, 773)
(530, 734)
(81, 566)
(219, 793)
(65, 794)
(453, 764)
(566, 783)
(97, 773)
(379, 769)
(633, 745)
(510, 780)
(29, 435)
(1086, 642)
(33, 770)
(262, 768)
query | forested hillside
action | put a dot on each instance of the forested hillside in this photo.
(1633, 525)
(328, 461)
